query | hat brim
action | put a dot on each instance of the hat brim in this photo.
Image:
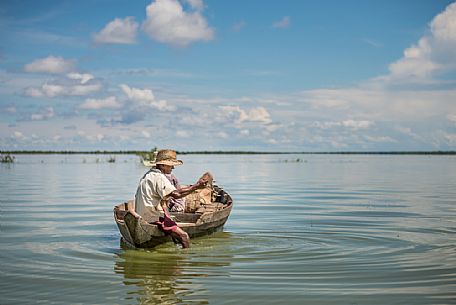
(170, 162)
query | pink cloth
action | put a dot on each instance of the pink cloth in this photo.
(166, 224)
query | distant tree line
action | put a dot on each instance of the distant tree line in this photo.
(221, 152)
(70, 152)
(318, 153)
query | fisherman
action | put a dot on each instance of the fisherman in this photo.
(175, 205)
(154, 191)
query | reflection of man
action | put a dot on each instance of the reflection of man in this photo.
(155, 277)
(152, 278)
(155, 189)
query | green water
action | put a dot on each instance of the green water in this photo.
(329, 230)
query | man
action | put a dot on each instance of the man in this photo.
(175, 205)
(154, 190)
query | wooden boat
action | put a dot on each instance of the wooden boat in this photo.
(140, 232)
(148, 163)
(148, 159)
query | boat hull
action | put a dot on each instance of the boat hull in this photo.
(139, 233)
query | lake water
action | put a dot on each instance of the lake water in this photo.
(329, 229)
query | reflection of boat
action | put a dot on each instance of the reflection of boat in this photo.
(166, 276)
(141, 232)
(153, 277)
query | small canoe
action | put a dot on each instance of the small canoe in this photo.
(139, 232)
(148, 163)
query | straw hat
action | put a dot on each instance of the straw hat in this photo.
(167, 157)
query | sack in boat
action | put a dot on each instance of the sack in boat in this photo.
(202, 198)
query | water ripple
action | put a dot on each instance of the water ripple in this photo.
(330, 230)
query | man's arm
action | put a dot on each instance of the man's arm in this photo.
(184, 191)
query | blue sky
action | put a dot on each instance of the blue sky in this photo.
(228, 75)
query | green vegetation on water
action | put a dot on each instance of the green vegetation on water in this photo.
(7, 158)
(148, 155)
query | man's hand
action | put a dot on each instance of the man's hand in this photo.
(201, 183)
(184, 191)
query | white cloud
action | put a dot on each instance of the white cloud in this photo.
(282, 23)
(196, 4)
(408, 132)
(452, 118)
(84, 78)
(18, 135)
(222, 135)
(377, 104)
(50, 90)
(183, 133)
(167, 22)
(358, 117)
(43, 114)
(53, 90)
(443, 26)
(141, 95)
(356, 124)
(352, 124)
(434, 52)
(33, 92)
(118, 31)
(326, 98)
(11, 109)
(145, 134)
(450, 138)
(50, 64)
(81, 90)
(416, 63)
(94, 137)
(272, 127)
(70, 84)
(380, 139)
(258, 114)
(145, 97)
(109, 102)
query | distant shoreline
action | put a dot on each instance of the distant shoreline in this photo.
(138, 152)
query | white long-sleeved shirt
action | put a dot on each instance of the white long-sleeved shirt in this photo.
(152, 188)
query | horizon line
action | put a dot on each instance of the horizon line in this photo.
(237, 152)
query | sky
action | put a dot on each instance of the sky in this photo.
(259, 75)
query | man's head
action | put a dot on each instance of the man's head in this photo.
(166, 160)
(165, 169)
